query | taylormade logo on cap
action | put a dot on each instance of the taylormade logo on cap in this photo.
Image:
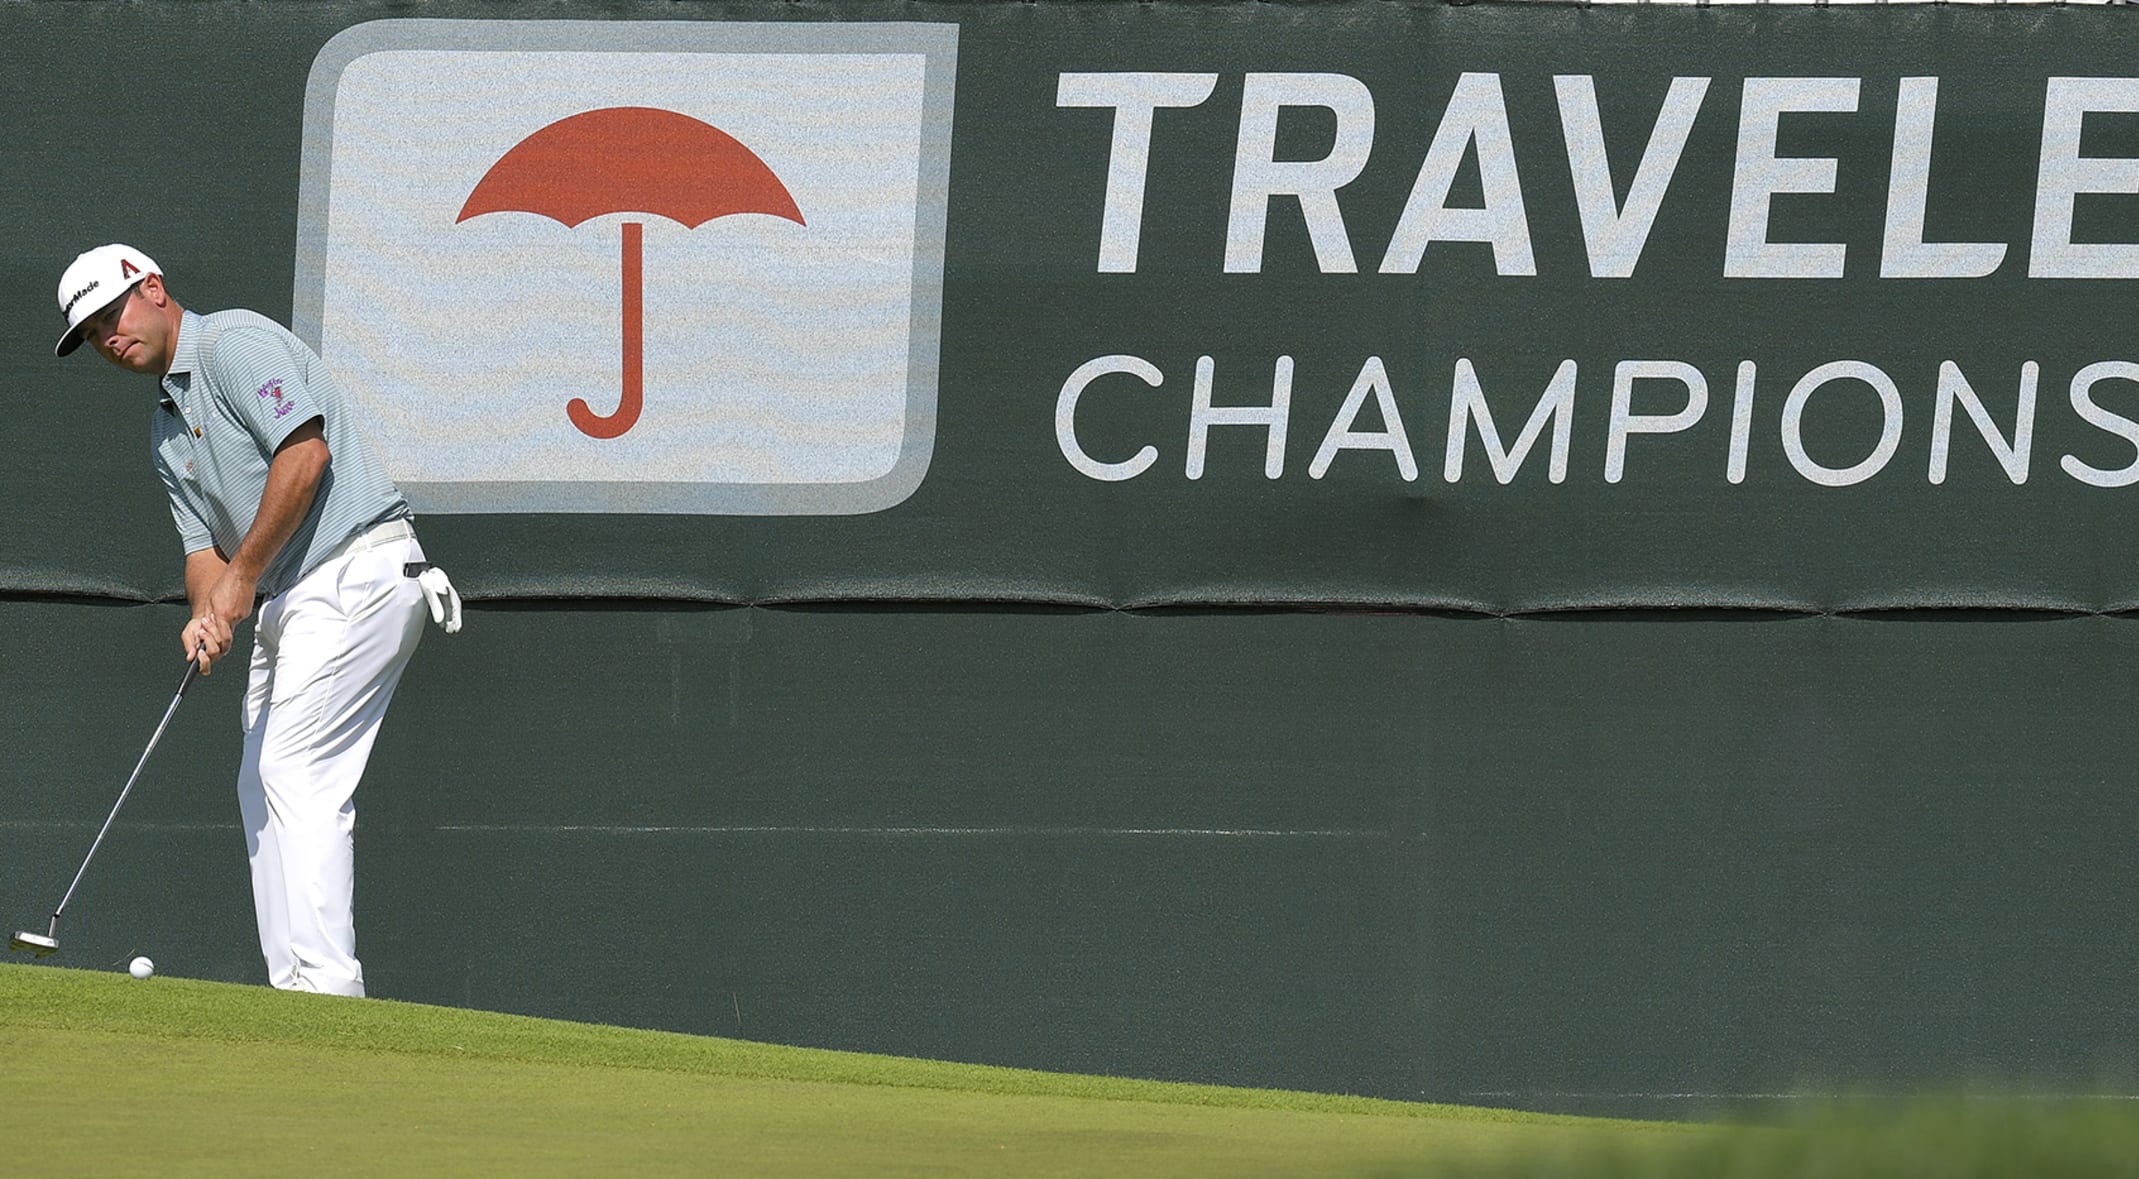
(76, 297)
(92, 281)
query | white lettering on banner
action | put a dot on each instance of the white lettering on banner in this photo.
(2013, 455)
(1258, 175)
(2064, 173)
(2083, 403)
(1625, 421)
(1614, 232)
(1759, 174)
(1741, 422)
(1134, 98)
(1272, 417)
(1904, 253)
(1476, 114)
(1469, 413)
(1619, 206)
(1793, 418)
(1373, 378)
(1467, 405)
(1066, 418)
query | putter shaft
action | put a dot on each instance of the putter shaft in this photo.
(50, 941)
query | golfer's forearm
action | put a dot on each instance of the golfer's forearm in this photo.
(202, 569)
(292, 482)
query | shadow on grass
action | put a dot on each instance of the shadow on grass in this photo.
(1951, 1137)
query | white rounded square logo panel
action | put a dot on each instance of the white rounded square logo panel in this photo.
(632, 266)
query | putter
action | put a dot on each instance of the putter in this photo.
(48, 941)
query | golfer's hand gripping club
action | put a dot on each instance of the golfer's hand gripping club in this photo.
(206, 639)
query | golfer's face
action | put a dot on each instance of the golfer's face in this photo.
(116, 331)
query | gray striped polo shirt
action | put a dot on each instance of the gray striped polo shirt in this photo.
(239, 384)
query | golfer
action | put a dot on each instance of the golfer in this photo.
(279, 501)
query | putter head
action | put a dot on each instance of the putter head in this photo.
(36, 943)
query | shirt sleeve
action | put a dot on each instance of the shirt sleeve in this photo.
(193, 532)
(267, 384)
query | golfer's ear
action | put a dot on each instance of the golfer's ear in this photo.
(152, 286)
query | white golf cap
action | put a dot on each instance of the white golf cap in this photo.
(94, 279)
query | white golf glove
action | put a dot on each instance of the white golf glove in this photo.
(440, 596)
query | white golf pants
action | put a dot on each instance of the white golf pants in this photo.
(327, 655)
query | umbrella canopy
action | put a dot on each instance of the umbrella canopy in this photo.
(630, 159)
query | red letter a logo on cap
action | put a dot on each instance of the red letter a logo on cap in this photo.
(127, 269)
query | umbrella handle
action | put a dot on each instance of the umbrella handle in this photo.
(595, 425)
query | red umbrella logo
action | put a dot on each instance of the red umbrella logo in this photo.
(629, 159)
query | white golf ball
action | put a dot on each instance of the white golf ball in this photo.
(141, 968)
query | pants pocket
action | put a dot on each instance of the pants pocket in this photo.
(358, 584)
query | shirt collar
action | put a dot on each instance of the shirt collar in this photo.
(183, 358)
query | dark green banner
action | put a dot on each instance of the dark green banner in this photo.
(1493, 307)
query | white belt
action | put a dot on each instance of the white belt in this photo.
(371, 538)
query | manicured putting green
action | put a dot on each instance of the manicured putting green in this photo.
(105, 1073)
(101, 1074)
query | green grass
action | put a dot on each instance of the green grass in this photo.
(1954, 1136)
(101, 1074)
